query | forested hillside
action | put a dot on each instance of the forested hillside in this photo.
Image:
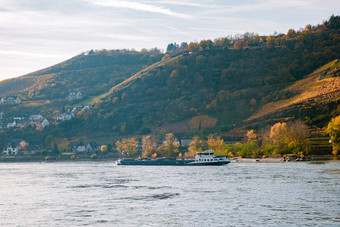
(227, 80)
(196, 88)
(91, 72)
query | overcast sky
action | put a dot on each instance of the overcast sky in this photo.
(39, 33)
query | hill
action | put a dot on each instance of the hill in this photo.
(197, 88)
(319, 89)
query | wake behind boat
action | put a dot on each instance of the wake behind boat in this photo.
(201, 159)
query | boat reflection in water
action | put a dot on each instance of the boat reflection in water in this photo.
(201, 158)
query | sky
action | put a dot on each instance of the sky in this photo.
(35, 34)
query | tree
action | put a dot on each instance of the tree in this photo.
(251, 136)
(48, 141)
(170, 146)
(55, 149)
(193, 47)
(109, 147)
(127, 146)
(240, 44)
(63, 144)
(278, 132)
(23, 145)
(216, 144)
(148, 146)
(196, 145)
(103, 148)
(333, 130)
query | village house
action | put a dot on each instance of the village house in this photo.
(186, 143)
(37, 117)
(10, 100)
(75, 95)
(65, 116)
(20, 123)
(14, 146)
(91, 147)
(45, 123)
(11, 124)
(77, 147)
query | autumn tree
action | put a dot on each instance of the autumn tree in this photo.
(216, 144)
(63, 144)
(289, 138)
(148, 146)
(278, 132)
(196, 145)
(193, 47)
(103, 148)
(127, 146)
(170, 146)
(23, 145)
(251, 136)
(240, 44)
(333, 130)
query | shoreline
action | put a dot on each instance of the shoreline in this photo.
(281, 159)
(40, 159)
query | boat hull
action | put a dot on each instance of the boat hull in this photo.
(170, 163)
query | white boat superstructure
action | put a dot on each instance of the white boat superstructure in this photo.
(209, 158)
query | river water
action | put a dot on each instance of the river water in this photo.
(102, 194)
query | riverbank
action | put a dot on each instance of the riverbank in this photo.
(61, 158)
(282, 159)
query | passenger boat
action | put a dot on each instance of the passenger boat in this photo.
(201, 159)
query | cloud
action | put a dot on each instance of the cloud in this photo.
(187, 3)
(181, 32)
(138, 6)
(30, 54)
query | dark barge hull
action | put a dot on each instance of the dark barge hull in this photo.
(169, 163)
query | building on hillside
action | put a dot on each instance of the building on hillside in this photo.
(20, 123)
(10, 100)
(11, 124)
(77, 147)
(65, 116)
(75, 95)
(91, 147)
(40, 124)
(1, 115)
(14, 146)
(45, 123)
(185, 143)
(18, 118)
(37, 117)
(86, 107)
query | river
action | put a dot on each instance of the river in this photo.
(102, 194)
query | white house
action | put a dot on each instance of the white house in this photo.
(65, 116)
(10, 100)
(87, 107)
(81, 149)
(45, 123)
(77, 146)
(37, 117)
(1, 115)
(13, 147)
(91, 147)
(11, 124)
(75, 95)
(11, 150)
(18, 118)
